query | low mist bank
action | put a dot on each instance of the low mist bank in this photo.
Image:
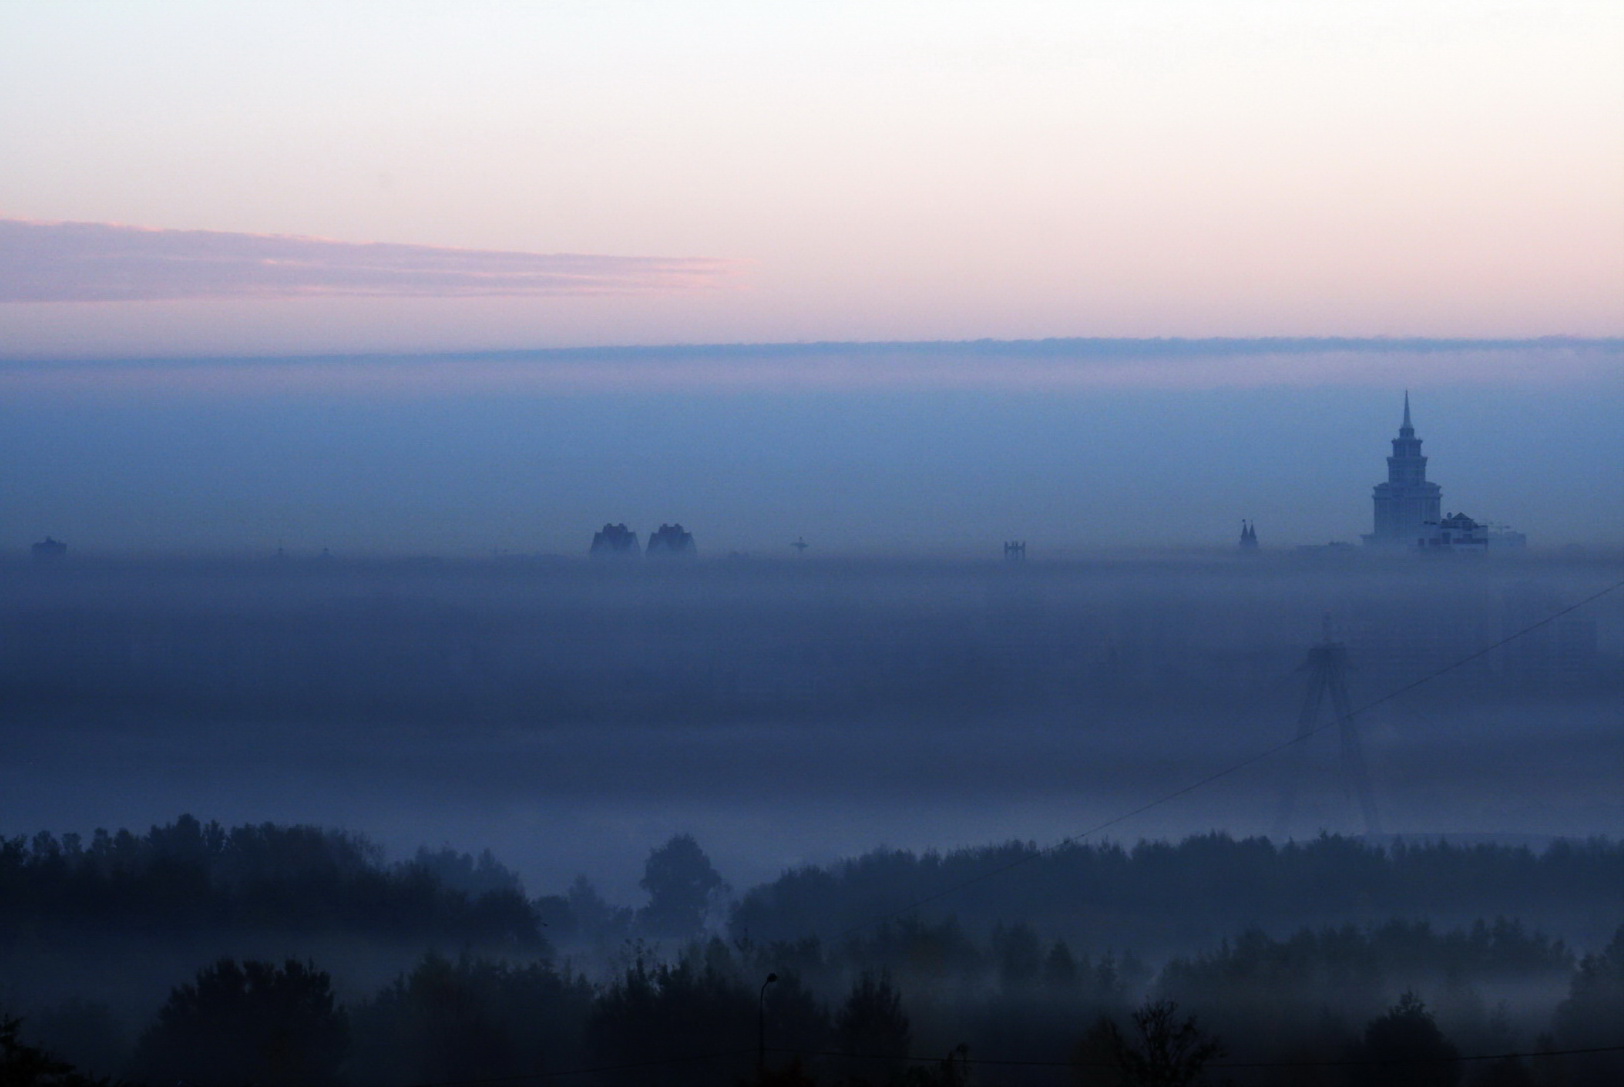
(547, 642)
(566, 713)
(792, 717)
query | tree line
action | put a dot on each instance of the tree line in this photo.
(719, 1013)
(1154, 896)
(1160, 896)
(1288, 955)
(187, 877)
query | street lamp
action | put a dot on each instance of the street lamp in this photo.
(761, 1028)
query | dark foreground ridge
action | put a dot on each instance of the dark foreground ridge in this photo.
(321, 962)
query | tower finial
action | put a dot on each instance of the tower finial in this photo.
(1407, 425)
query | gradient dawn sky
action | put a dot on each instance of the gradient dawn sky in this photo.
(414, 277)
(283, 178)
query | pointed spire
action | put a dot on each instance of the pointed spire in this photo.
(1407, 425)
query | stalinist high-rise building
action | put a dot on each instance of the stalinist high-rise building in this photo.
(1407, 506)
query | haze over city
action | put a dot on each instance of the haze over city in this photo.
(773, 543)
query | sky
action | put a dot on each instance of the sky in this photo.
(740, 172)
(367, 275)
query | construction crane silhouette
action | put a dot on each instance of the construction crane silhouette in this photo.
(1326, 666)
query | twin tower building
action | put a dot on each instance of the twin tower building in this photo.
(618, 541)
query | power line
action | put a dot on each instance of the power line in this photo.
(1000, 1062)
(1232, 768)
(1107, 824)
(634, 1066)
(1348, 1062)
(1356, 1062)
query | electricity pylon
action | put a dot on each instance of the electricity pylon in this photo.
(1326, 666)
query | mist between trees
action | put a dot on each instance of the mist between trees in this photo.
(289, 954)
(754, 687)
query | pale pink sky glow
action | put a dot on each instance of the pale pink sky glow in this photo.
(888, 171)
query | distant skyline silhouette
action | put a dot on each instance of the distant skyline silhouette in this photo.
(1068, 445)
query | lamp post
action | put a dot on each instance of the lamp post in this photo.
(761, 1028)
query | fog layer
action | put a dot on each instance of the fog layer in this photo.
(570, 713)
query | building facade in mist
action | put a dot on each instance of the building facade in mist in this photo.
(48, 549)
(614, 541)
(672, 540)
(1456, 533)
(1408, 506)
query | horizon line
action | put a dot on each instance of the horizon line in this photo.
(1050, 346)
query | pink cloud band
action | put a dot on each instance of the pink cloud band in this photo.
(106, 262)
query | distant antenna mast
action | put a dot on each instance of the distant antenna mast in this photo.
(1326, 666)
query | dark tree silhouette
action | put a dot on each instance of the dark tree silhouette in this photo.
(694, 1022)
(1142, 895)
(23, 1065)
(593, 919)
(1405, 1048)
(189, 878)
(1163, 1050)
(471, 1019)
(792, 1074)
(681, 884)
(1060, 968)
(1506, 1072)
(248, 1023)
(87, 1033)
(464, 872)
(1020, 956)
(871, 1029)
(936, 954)
(1591, 1014)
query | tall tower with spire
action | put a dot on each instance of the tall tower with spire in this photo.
(1406, 502)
